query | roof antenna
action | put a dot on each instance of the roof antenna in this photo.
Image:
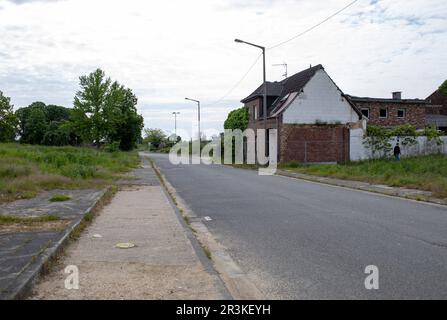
(282, 65)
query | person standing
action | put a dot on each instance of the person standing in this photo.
(397, 152)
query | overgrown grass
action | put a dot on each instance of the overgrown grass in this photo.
(424, 173)
(27, 170)
(4, 220)
(59, 198)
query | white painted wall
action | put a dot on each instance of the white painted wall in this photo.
(423, 147)
(320, 101)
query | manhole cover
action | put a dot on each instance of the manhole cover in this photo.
(126, 245)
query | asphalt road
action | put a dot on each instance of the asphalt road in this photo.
(301, 240)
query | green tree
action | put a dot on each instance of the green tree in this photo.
(89, 105)
(32, 123)
(8, 120)
(56, 135)
(105, 112)
(57, 113)
(124, 124)
(237, 119)
(42, 124)
(156, 137)
(443, 88)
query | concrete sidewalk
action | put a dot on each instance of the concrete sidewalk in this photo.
(165, 264)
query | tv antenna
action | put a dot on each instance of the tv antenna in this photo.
(285, 75)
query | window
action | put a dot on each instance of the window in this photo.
(383, 113)
(401, 113)
(365, 112)
(255, 113)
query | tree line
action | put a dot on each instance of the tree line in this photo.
(104, 114)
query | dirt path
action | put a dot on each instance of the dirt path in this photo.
(163, 265)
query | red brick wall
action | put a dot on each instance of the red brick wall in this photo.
(310, 143)
(439, 99)
(415, 114)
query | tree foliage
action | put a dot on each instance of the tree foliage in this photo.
(378, 139)
(105, 112)
(237, 119)
(47, 125)
(156, 137)
(8, 120)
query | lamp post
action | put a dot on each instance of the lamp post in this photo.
(264, 101)
(175, 116)
(198, 109)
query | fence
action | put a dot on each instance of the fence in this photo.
(358, 151)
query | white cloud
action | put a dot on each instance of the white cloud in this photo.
(166, 50)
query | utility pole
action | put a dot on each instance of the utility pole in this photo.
(175, 116)
(264, 100)
(198, 109)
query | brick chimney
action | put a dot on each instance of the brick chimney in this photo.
(397, 95)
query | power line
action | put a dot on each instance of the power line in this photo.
(313, 27)
(280, 44)
(239, 82)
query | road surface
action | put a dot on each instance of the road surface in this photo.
(302, 240)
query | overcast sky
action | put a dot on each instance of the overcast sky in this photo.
(167, 50)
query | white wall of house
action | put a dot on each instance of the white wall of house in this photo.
(358, 151)
(320, 100)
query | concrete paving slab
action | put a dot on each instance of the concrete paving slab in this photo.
(80, 201)
(23, 250)
(163, 265)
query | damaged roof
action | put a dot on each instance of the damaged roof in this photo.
(291, 84)
(385, 100)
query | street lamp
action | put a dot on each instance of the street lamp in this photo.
(198, 109)
(264, 102)
(175, 115)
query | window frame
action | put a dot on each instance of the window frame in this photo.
(368, 111)
(404, 113)
(380, 113)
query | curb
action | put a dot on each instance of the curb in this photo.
(403, 193)
(396, 192)
(28, 277)
(235, 279)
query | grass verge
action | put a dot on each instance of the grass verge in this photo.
(7, 219)
(424, 173)
(27, 170)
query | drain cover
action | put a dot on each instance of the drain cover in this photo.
(126, 245)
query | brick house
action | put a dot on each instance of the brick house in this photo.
(437, 111)
(310, 112)
(392, 112)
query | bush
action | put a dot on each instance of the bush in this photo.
(377, 138)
